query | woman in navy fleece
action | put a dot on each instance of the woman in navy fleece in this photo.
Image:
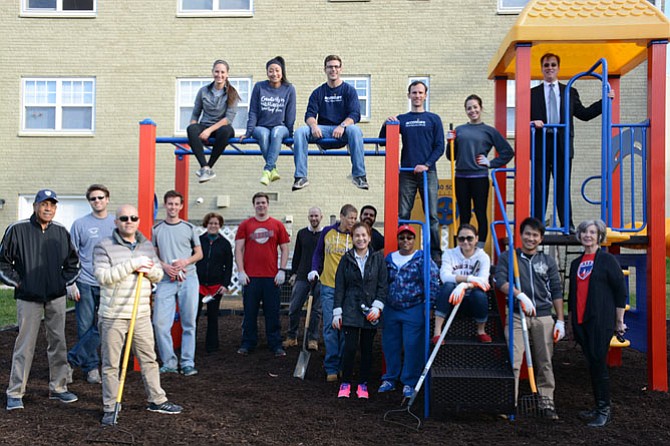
(271, 116)
(473, 143)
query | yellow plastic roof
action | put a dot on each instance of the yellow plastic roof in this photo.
(581, 32)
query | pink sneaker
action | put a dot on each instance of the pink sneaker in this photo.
(362, 391)
(345, 390)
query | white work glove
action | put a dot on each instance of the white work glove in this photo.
(479, 282)
(482, 160)
(280, 277)
(526, 304)
(559, 330)
(242, 278)
(313, 276)
(456, 296)
(373, 314)
(143, 263)
(337, 322)
(291, 280)
(73, 292)
(451, 135)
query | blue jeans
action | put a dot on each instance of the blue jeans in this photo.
(332, 339)
(404, 330)
(85, 352)
(168, 293)
(298, 298)
(353, 136)
(261, 289)
(475, 303)
(409, 184)
(269, 141)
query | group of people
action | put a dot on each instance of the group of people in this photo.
(332, 112)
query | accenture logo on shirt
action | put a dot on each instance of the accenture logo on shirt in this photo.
(261, 235)
(416, 123)
(333, 98)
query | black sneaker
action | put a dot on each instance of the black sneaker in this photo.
(167, 408)
(361, 182)
(300, 183)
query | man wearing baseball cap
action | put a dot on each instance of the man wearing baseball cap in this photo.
(404, 313)
(38, 259)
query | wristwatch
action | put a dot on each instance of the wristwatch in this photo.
(343, 125)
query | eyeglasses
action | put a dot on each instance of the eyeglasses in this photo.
(550, 64)
(333, 67)
(468, 238)
(406, 237)
(102, 197)
(125, 218)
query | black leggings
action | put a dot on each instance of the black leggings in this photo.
(221, 137)
(595, 343)
(469, 191)
(352, 336)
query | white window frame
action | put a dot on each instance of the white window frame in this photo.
(235, 82)
(502, 9)
(365, 111)
(215, 11)
(26, 11)
(59, 105)
(69, 208)
(425, 80)
(510, 110)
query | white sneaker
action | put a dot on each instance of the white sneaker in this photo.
(93, 376)
(206, 175)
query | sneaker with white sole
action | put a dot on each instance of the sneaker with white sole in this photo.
(14, 403)
(266, 178)
(387, 386)
(166, 369)
(206, 174)
(166, 408)
(189, 371)
(93, 376)
(407, 392)
(362, 391)
(360, 182)
(345, 390)
(300, 183)
(64, 397)
(274, 175)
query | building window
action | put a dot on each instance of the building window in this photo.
(511, 6)
(225, 8)
(61, 8)
(425, 80)
(65, 106)
(511, 105)
(187, 89)
(362, 86)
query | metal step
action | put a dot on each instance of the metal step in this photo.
(457, 390)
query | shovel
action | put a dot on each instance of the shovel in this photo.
(303, 359)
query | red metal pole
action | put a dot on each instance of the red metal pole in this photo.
(146, 176)
(391, 190)
(522, 137)
(657, 370)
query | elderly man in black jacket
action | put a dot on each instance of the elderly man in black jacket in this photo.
(38, 259)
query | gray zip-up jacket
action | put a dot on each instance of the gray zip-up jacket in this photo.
(539, 279)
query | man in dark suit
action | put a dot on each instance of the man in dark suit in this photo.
(545, 109)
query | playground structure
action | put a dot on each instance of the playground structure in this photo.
(643, 38)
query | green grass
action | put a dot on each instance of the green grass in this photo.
(8, 307)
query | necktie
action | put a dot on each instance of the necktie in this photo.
(553, 107)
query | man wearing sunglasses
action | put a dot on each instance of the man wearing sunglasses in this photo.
(38, 260)
(546, 107)
(332, 112)
(117, 261)
(87, 232)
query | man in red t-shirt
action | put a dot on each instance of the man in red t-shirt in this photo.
(256, 245)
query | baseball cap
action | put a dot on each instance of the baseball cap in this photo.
(406, 228)
(45, 194)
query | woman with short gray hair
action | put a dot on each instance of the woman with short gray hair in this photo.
(596, 304)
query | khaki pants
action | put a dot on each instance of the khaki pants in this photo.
(29, 317)
(112, 338)
(541, 335)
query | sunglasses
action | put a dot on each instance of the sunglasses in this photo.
(101, 197)
(405, 237)
(550, 64)
(468, 238)
(125, 218)
(333, 67)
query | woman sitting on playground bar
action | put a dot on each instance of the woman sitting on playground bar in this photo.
(213, 114)
(462, 283)
(271, 116)
(472, 144)
(360, 295)
(596, 303)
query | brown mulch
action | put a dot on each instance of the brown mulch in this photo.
(255, 400)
